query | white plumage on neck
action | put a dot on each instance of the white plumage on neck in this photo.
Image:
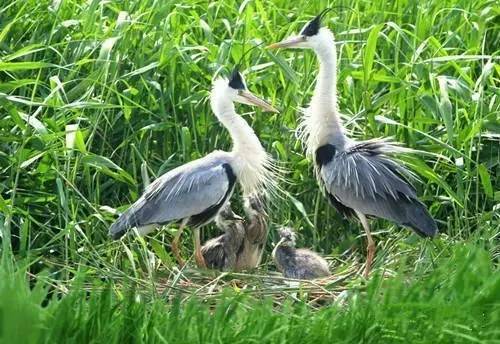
(321, 123)
(252, 164)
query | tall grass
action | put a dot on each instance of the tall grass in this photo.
(97, 98)
(453, 304)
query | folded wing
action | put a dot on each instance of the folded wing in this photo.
(365, 179)
(193, 191)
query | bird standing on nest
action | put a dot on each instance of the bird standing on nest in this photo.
(298, 263)
(193, 194)
(359, 178)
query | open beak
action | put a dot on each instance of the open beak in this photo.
(290, 42)
(247, 97)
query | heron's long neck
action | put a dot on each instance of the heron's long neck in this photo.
(251, 159)
(324, 122)
(245, 141)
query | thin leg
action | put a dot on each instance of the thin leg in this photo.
(175, 245)
(198, 256)
(370, 248)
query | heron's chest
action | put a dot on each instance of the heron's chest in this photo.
(251, 172)
(323, 158)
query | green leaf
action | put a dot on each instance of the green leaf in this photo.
(100, 162)
(300, 207)
(74, 138)
(278, 146)
(485, 180)
(186, 141)
(16, 66)
(422, 169)
(287, 70)
(445, 107)
(142, 70)
(107, 166)
(35, 123)
(160, 251)
(369, 55)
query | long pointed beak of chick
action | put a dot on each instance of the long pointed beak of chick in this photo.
(290, 42)
(247, 97)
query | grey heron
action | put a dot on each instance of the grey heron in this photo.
(359, 178)
(298, 263)
(241, 245)
(221, 252)
(192, 194)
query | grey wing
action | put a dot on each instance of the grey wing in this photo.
(195, 190)
(368, 181)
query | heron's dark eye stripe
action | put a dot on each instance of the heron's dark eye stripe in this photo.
(236, 81)
(312, 28)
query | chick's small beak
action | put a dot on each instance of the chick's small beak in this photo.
(247, 97)
(281, 241)
(289, 42)
(237, 218)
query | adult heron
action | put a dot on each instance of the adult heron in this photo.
(358, 177)
(192, 194)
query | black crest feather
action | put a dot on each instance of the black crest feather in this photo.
(236, 80)
(314, 25)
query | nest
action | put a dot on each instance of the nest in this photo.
(260, 283)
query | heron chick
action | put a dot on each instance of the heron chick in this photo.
(298, 263)
(221, 252)
(256, 231)
(242, 244)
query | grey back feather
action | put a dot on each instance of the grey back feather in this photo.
(178, 194)
(363, 177)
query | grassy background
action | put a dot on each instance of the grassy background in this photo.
(97, 98)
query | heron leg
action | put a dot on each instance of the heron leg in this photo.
(370, 248)
(198, 256)
(175, 245)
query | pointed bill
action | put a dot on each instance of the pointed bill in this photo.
(289, 42)
(247, 97)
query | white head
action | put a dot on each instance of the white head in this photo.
(235, 89)
(311, 36)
